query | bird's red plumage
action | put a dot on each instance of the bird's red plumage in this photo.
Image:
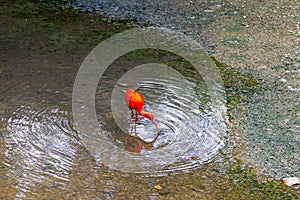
(134, 100)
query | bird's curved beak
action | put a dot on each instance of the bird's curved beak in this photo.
(155, 124)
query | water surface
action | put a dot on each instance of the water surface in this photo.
(43, 157)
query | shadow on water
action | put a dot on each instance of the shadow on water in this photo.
(41, 154)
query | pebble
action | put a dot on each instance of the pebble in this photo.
(283, 80)
(53, 185)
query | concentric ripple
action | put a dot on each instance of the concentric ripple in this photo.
(192, 132)
(40, 149)
(189, 107)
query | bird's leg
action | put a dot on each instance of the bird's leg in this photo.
(132, 116)
(133, 121)
(137, 118)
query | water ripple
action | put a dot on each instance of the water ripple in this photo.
(40, 148)
(192, 132)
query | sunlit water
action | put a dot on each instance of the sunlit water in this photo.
(191, 131)
(40, 148)
(188, 102)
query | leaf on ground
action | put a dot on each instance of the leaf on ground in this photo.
(158, 187)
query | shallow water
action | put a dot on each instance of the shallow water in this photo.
(191, 133)
(40, 148)
(196, 156)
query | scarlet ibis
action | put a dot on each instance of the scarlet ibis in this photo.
(135, 101)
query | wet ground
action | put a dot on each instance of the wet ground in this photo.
(42, 47)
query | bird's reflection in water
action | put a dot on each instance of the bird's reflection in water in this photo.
(136, 144)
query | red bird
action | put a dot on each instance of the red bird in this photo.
(135, 101)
